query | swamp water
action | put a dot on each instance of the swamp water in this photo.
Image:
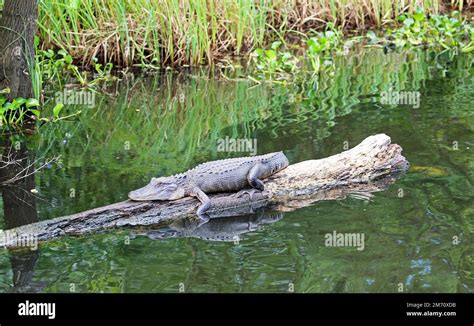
(418, 234)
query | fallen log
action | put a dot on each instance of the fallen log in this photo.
(368, 167)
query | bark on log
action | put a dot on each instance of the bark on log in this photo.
(370, 166)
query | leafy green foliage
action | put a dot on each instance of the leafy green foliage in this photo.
(13, 112)
(438, 31)
(278, 64)
(58, 68)
(322, 46)
(53, 69)
(274, 63)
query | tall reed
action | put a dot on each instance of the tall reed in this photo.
(194, 32)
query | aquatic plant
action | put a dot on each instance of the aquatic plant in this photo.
(437, 32)
(321, 46)
(57, 68)
(440, 31)
(14, 114)
(279, 64)
(53, 69)
(274, 63)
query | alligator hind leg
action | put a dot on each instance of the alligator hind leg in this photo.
(206, 203)
(253, 177)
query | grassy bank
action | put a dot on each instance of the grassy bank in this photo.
(160, 33)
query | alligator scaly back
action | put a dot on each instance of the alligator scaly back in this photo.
(228, 175)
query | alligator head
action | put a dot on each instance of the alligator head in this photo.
(165, 188)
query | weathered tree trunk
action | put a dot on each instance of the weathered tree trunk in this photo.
(368, 167)
(17, 32)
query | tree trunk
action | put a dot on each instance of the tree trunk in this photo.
(17, 32)
(369, 167)
(17, 58)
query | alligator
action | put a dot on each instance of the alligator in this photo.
(229, 175)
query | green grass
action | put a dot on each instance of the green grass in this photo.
(158, 33)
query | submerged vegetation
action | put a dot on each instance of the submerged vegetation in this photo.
(158, 33)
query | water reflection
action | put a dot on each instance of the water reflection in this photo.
(19, 208)
(229, 224)
(216, 229)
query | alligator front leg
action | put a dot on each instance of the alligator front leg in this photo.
(206, 202)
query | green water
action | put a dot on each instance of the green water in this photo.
(169, 122)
